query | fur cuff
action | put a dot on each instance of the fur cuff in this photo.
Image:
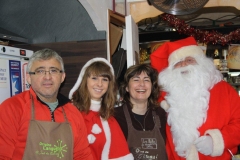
(164, 105)
(218, 143)
(193, 154)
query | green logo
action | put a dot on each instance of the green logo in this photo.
(52, 149)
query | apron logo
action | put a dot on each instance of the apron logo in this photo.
(52, 149)
(149, 143)
(145, 151)
(142, 154)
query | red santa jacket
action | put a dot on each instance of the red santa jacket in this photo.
(223, 124)
(106, 138)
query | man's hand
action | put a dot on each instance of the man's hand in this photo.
(204, 145)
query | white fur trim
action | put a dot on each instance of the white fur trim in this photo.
(95, 105)
(95, 102)
(184, 52)
(164, 105)
(91, 138)
(81, 74)
(96, 129)
(193, 154)
(126, 157)
(106, 148)
(218, 143)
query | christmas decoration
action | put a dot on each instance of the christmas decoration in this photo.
(202, 36)
(144, 55)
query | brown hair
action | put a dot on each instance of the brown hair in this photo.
(82, 99)
(137, 70)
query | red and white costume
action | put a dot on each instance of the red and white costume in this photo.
(223, 124)
(106, 138)
(212, 108)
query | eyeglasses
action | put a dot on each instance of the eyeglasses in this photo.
(43, 72)
(185, 62)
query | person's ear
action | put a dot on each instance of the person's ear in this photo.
(63, 76)
(127, 89)
(28, 78)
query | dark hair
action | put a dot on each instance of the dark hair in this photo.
(137, 70)
(82, 99)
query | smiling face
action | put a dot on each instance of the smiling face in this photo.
(97, 86)
(139, 88)
(46, 86)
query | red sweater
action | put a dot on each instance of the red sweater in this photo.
(14, 121)
(223, 115)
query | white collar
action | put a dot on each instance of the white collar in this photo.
(95, 105)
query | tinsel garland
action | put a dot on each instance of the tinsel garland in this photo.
(203, 36)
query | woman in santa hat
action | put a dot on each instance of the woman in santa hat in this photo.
(94, 94)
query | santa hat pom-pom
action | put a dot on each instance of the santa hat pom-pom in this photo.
(96, 129)
(164, 105)
(91, 138)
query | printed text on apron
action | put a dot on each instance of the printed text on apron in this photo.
(145, 145)
(48, 140)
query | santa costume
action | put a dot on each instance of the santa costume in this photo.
(105, 136)
(198, 103)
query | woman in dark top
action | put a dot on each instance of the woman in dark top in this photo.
(140, 117)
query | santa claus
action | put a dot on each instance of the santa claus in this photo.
(203, 110)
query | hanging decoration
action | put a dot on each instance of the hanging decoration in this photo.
(203, 36)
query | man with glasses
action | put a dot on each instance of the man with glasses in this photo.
(203, 110)
(41, 123)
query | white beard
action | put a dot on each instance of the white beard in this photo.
(188, 96)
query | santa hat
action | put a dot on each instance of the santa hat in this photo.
(172, 52)
(169, 54)
(82, 72)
